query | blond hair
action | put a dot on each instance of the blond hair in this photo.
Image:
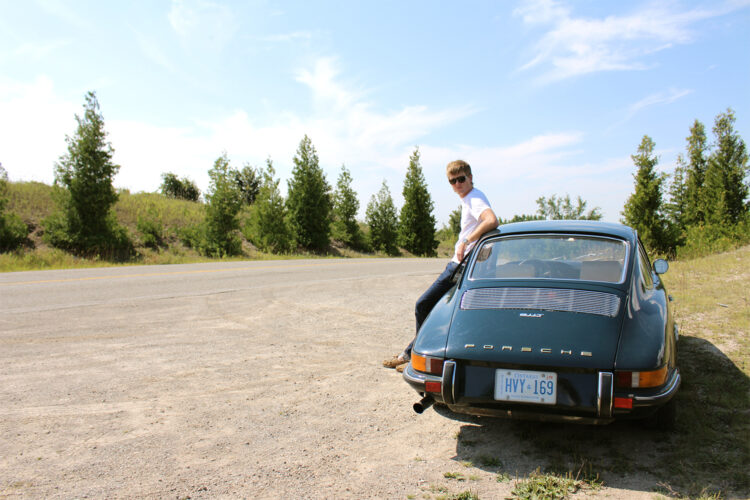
(458, 167)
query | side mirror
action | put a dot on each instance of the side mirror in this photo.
(661, 266)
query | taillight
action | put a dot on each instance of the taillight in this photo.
(626, 403)
(427, 364)
(433, 386)
(642, 379)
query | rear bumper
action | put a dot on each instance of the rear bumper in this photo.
(661, 395)
(417, 381)
(603, 411)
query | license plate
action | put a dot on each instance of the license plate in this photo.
(526, 386)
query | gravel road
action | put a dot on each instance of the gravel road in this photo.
(252, 379)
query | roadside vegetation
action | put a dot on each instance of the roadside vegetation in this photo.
(83, 220)
(159, 227)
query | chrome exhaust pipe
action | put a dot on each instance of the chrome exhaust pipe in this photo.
(423, 404)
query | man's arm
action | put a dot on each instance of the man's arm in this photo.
(487, 222)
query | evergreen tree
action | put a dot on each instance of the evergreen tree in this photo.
(695, 173)
(309, 199)
(677, 208)
(86, 222)
(725, 189)
(345, 208)
(248, 184)
(268, 228)
(416, 222)
(223, 202)
(12, 229)
(383, 222)
(454, 221)
(643, 210)
(554, 208)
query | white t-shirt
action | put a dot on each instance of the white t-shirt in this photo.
(472, 206)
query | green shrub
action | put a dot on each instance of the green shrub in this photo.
(203, 240)
(12, 229)
(266, 225)
(704, 240)
(151, 229)
(13, 232)
(111, 243)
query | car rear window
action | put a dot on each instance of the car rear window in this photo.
(556, 257)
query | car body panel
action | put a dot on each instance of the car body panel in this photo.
(553, 339)
(647, 338)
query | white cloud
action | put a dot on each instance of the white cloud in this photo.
(577, 46)
(542, 11)
(32, 131)
(354, 130)
(667, 97)
(326, 89)
(657, 99)
(203, 24)
(345, 128)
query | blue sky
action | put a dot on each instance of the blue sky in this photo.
(540, 97)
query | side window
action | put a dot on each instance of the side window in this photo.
(645, 267)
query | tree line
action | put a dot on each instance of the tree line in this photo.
(308, 218)
(706, 202)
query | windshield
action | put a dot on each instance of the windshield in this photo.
(544, 256)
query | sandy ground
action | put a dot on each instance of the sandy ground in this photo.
(273, 391)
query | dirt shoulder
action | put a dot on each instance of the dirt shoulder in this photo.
(272, 391)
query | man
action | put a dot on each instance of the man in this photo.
(477, 218)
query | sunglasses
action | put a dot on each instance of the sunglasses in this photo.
(460, 179)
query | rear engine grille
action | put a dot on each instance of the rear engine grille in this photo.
(547, 299)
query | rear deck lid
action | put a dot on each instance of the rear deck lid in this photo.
(537, 326)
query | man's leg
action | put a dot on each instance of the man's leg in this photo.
(424, 305)
(430, 297)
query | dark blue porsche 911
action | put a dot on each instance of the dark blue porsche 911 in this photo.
(552, 320)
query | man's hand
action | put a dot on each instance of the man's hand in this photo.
(461, 249)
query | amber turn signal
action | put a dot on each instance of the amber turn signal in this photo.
(641, 380)
(427, 364)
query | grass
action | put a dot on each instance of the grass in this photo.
(464, 495)
(457, 476)
(539, 486)
(712, 308)
(713, 301)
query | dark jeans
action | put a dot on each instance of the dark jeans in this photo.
(427, 301)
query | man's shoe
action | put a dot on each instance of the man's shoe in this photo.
(395, 362)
